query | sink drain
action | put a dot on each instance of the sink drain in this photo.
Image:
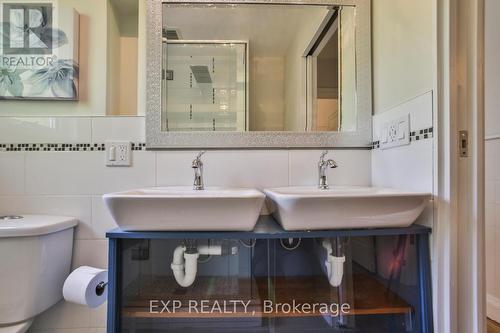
(10, 217)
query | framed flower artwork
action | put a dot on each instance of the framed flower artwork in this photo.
(39, 45)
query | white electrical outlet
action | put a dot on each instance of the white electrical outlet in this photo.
(396, 133)
(118, 153)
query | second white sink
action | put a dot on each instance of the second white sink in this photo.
(344, 207)
(185, 209)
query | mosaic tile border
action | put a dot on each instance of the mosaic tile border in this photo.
(62, 147)
(426, 133)
(422, 134)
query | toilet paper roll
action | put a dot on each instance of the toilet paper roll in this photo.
(81, 286)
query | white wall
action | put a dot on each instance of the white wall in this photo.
(404, 50)
(492, 105)
(72, 183)
(122, 62)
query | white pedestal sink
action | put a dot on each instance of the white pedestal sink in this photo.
(184, 209)
(344, 207)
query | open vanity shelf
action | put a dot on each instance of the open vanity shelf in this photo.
(370, 297)
(378, 302)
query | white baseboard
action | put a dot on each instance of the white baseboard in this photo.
(493, 308)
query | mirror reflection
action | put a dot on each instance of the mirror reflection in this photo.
(255, 67)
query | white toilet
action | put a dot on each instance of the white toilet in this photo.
(35, 259)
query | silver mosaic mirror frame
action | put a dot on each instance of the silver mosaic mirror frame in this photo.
(158, 139)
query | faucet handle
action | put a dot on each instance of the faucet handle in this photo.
(200, 154)
(332, 164)
(323, 154)
(197, 163)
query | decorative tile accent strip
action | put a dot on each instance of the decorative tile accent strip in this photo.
(60, 147)
(422, 134)
(138, 146)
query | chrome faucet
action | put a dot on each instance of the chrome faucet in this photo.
(197, 165)
(322, 166)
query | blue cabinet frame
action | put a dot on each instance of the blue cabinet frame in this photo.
(268, 228)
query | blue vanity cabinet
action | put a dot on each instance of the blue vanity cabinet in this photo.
(272, 280)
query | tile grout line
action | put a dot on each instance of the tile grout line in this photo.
(156, 168)
(25, 165)
(91, 139)
(92, 215)
(289, 168)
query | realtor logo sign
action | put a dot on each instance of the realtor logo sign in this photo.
(29, 28)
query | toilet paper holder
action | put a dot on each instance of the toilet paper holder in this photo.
(86, 286)
(101, 288)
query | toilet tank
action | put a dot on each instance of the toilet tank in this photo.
(35, 259)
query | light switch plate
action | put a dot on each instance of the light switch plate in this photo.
(396, 133)
(118, 153)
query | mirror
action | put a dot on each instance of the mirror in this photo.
(232, 68)
(246, 68)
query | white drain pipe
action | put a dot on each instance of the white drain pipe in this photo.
(334, 265)
(185, 265)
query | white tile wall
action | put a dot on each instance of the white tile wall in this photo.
(12, 174)
(76, 206)
(407, 167)
(101, 218)
(45, 130)
(68, 318)
(119, 128)
(72, 183)
(90, 252)
(63, 315)
(73, 173)
(354, 167)
(258, 169)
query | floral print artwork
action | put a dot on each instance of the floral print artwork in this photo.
(38, 71)
(58, 78)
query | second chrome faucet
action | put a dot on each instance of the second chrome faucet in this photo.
(323, 165)
(197, 165)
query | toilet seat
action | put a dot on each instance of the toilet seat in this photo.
(21, 327)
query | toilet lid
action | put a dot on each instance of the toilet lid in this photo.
(34, 225)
